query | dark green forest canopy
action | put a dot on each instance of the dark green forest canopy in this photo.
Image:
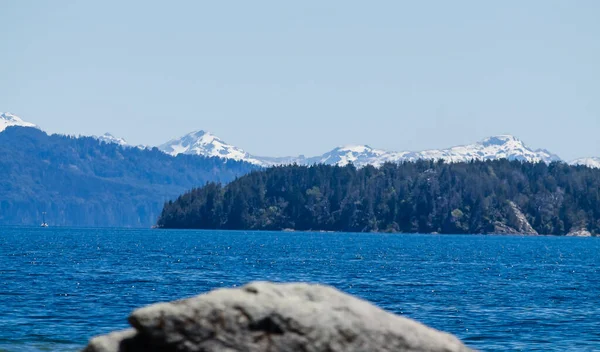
(84, 182)
(498, 196)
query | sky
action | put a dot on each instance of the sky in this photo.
(302, 77)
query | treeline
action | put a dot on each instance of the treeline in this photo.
(414, 197)
(85, 182)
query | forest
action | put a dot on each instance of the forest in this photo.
(80, 181)
(478, 197)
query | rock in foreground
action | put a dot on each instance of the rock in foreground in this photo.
(271, 317)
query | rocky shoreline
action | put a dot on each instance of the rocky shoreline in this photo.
(264, 316)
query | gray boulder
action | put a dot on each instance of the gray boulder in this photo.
(272, 317)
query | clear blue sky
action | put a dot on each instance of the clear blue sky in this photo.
(285, 78)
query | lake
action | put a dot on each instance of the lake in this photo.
(60, 286)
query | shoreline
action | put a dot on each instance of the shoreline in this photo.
(375, 232)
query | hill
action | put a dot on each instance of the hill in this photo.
(86, 182)
(493, 196)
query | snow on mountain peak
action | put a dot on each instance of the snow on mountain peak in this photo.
(593, 162)
(206, 144)
(358, 155)
(355, 148)
(495, 147)
(207, 138)
(109, 138)
(491, 148)
(358, 149)
(7, 119)
(502, 139)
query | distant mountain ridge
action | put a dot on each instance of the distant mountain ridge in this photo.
(81, 181)
(492, 148)
(207, 144)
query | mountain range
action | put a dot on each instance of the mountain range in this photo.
(83, 181)
(207, 144)
(496, 147)
(105, 181)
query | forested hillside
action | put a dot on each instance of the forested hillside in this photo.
(85, 182)
(425, 196)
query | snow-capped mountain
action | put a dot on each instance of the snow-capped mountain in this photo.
(267, 161)
(109, 138)
(593, 162)
(496, 147)
(358, 155)
(7, 119)
(492, 148)
(207, 144)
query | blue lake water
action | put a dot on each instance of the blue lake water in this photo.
(58, 287)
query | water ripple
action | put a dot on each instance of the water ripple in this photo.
(58, 287)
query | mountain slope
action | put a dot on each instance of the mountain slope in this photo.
(206, 144)
(7, 119)
(593, 162)
(85, 182)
